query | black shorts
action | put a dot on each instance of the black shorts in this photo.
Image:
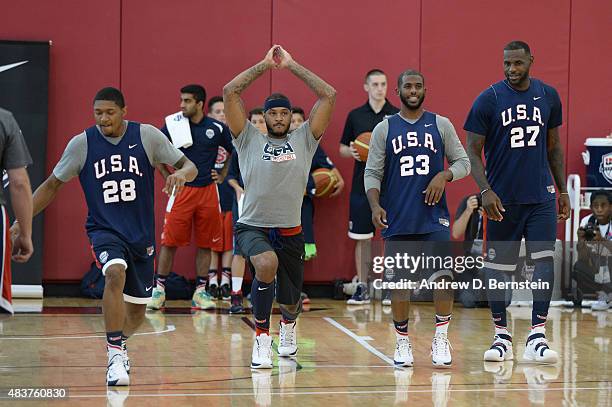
(110, 249)
(252, 240)
(360, 217)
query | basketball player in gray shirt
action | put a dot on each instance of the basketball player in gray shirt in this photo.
(14, 158)
(275, 170)
(117, 180)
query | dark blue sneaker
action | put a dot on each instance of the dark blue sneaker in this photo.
(361, 296)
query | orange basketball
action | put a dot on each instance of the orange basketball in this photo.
(325, 180)
(362, 145)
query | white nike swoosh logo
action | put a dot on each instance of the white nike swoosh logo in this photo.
(261, 289)
(216, 240)
(148, 288)
(536, 98)
(11, 66)
(430, 124)
(133, 146)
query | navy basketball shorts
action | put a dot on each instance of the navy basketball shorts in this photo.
(421, 257)
(537, 223)
(110, 249)
(308, 219)
(252, 240)
(360, 217)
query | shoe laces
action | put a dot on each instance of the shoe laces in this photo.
(403, 345)
(264, 348)
(441, 344)
(287, 337)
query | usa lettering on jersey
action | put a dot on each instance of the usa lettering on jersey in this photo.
(278, 154)
(409, 164)
(523, 135)
(117, 191)
(116, 165)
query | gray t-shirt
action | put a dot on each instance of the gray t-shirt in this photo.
(13, 149)
(459, 163)
(158, 148)
(275, 173)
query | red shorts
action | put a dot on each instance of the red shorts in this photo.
(197, 208)
(228, 231)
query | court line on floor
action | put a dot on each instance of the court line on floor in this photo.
(169, 328)
(310, 393)
(359, 340)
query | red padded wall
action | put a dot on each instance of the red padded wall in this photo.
(152, 48)
(590, 95)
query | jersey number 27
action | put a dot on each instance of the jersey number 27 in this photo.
(517, 136)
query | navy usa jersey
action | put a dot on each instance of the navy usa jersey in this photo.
(118, 184)
(414, 154)
(515, 126)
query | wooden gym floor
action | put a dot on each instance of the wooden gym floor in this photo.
(345, 355)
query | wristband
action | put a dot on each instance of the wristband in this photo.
(483, 191)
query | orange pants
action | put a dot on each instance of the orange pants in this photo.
(228, 231)
(195, 208)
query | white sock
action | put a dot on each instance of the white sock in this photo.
(442, 325)
(236, 284)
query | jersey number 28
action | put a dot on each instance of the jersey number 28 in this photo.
(119, 191)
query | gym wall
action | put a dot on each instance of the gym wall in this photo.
(151, 48)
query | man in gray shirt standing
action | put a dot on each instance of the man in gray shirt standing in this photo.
(14, 158)
(275, 170)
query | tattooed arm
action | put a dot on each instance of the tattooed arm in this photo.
(235, 114)
(557, 168)
(320, 115)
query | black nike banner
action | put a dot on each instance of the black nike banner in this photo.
(24, 89)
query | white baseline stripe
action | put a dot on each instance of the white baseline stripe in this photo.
(307, 393)
(360, 340)
(169, 328)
